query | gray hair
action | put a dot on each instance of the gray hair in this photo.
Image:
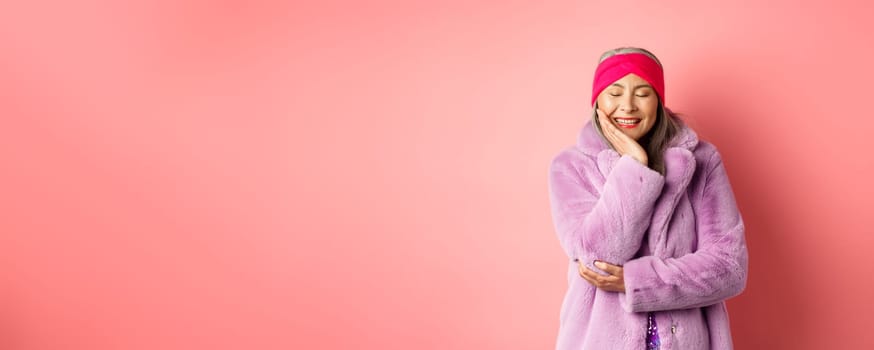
(628, 49)
(667, 124)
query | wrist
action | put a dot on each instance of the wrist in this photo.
(643, 160)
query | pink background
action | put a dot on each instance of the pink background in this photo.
(372, 175)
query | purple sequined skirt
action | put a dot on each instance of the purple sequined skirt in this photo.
(652, 333)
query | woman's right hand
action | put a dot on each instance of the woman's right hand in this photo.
(621, 142)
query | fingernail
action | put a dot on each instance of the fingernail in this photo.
(599, 264)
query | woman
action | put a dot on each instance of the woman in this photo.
(646, 215)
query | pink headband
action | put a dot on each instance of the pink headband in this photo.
(617, 66)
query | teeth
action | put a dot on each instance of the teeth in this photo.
(627, 121)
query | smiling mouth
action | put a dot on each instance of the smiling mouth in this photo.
(627, 122)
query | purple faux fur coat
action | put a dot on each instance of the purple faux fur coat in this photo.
(679, 237)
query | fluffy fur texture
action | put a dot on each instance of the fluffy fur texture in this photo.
(679, 237)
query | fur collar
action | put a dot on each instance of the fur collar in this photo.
(680, 166)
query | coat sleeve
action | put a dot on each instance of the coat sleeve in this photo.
(715, 272)
(604, 223)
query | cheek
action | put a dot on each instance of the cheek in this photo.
(651, 110)
(604, 103)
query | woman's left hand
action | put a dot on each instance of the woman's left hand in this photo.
(612, 283)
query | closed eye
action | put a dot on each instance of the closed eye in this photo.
(617, 95)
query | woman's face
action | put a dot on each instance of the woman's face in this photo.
(631, 104)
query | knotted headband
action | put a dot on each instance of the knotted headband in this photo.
(617, 66)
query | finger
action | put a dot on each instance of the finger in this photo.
(599, 279)
(615, 141)
(585, 273)
(604, 113)
(608, 128)
(614, 270)
(602, 116)
(605, 121)
(603, 280)
(587, 277)
(618, 134)
(610, 124)
(622, 137)
(618, 139)
(611, 130)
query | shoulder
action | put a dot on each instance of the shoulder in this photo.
(572, 172)
(710, 172)
(571, 160)
(707, 156)
(574, 166)
(705, 153)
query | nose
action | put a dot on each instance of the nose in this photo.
(627, 104)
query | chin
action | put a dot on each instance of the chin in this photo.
(633, 135)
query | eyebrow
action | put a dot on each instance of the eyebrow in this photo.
(633, 88)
